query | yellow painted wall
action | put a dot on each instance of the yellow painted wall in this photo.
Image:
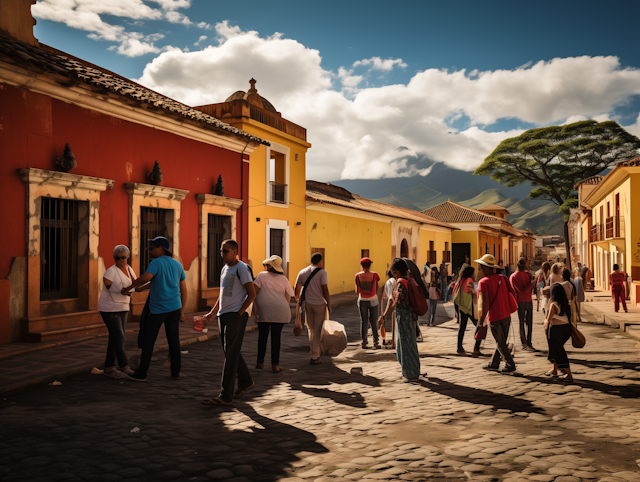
(343, 238)
(632, 227)
(293, 213)
(439, 239)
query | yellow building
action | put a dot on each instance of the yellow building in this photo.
(276, 179)
(482, 231)
(345, 227)
(614, 236)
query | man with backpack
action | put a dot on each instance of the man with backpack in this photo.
(312, 293)
(495, 304)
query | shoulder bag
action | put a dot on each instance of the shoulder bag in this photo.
(303, 294)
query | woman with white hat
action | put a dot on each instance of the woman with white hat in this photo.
(273, 295)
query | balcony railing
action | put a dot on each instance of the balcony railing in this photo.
(614, 226)
(278, 193)
(597, 233)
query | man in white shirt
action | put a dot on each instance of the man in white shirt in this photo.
(237, 292)
(316, 301)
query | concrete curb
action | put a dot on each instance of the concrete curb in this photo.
(85, 368)
(601, 318)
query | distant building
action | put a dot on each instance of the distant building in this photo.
(345, 227)
(481, 232)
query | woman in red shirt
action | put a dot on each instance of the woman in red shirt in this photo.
(367, 289)
(617, 283)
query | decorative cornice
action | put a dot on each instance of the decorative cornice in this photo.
(212, 200)
(31, 175)
(161, 192)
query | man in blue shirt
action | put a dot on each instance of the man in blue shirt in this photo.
(167, 301)
(237, 292)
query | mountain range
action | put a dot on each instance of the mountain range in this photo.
(445, 183)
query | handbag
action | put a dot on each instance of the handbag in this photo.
(577, 338)
(297, 327)
(513, 304)
(199, 323)
(481, 333)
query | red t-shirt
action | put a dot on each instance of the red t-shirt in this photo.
(367, 283)
(500, 307)
(617, 278)
(521, 284)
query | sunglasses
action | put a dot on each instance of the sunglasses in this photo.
(117, 258)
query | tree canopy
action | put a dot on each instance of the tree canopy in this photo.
(556, 158)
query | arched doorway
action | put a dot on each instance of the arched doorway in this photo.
(404, 249)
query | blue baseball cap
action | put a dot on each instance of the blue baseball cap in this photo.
(161, 242)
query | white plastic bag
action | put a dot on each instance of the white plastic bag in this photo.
(333, 340)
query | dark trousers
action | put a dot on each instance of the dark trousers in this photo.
(368, 317)
(443, 288)
(500, 332)
(525, 315)
(231, 328)
(433, 306)
(116, 322)
(619, 294)
(464, 317)
(263, 335)
(171, 322)
(557, 336)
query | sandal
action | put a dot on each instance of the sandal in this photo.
(241, 391)
(215, 401)
(566, 377)
(276, 368)
(551, 373)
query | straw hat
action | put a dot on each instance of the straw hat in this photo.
(275, 262)
(488, 260)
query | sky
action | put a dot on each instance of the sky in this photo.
(383, 88)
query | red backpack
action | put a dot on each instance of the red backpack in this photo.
(416, 296)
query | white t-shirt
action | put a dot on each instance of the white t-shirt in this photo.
(314, 295)
(232, 291)
(271, 303)
(388, 289)
(112, 299)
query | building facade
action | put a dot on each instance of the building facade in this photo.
(276, 212)
(78, 146)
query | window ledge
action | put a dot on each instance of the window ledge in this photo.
(151, 190)
(64, 179)
(213, 200)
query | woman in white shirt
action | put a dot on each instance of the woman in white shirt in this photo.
(114, 309)
(273, 295)
(558, 329)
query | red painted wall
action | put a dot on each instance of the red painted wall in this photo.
(33, 131)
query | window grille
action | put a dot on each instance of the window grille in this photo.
(58, 249)
(215, 237)
(152, 224)
(276, 246)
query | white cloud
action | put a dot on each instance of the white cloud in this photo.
(200, 39)
(87, 15)
(356, 133)
(376, 63)
(203, 25)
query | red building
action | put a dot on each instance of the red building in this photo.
(60, 228)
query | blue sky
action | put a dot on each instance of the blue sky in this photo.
(543, 63)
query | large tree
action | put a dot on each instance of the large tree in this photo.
(554, 159)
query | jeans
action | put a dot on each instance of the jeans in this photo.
(231, 327)
(443, 288)
(315, 316)
(525, 315)
(116, 322)
(433, 304)
(464, 317)
(500, 332)
(368, 316)
(619, 294)
(263, 335)
(171, 322)
(557, 336)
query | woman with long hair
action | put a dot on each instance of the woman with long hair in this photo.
(406, 322)
(542, 279)
(467, 307)
(557, 325)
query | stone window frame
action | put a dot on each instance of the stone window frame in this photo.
(151, 196)
(286, 151)
(62, 185)
(218, 206)
(283, 225)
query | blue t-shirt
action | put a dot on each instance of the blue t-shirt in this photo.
(165, 285)
(232, 290)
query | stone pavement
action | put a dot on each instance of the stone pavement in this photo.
(599, 309)
(325, 423)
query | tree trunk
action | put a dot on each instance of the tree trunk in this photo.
(567, 244)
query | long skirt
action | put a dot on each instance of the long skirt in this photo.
(406, 345)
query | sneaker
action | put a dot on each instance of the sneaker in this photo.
(137, 377)
(376, 346)
(508, 369)
(491, 368)
(365, 346)
(126, 370)
(115, 374)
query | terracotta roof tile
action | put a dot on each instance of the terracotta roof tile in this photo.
(589, 180)
(494, 207)
(79, 71)
(452, 212)
(328, 193)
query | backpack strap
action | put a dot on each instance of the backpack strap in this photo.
(306, 283)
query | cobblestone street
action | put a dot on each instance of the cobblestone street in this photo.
(325, 423)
